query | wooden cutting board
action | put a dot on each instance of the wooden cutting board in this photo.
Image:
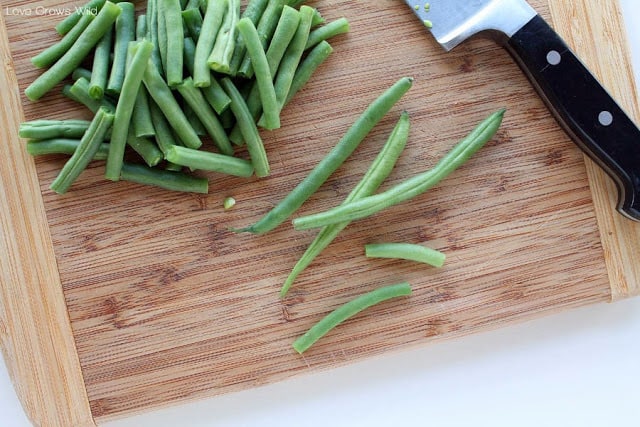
(118, 298)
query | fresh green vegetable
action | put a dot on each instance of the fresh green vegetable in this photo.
(407, 251)
(228, 203)
(79, 92)
(170, 12)
(220, 58)
(211, 23)
(169, 180)
(347, 311)
(62, 146)
(100, 66)
(57, 50)
(145, 147)
(332, 29)
(64, 26)
(253, 11)
(410, 188)
(204, 160)
(125, 32)
(49, 129)
(308, 66)
(192, 19)
(214, 94)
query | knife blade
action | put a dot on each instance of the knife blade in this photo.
(586, 111)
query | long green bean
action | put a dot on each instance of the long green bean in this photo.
(214, 94)
(342, 150)
(124, 107)
(63, 146)
(406, 251)
(171, 13)
(100, 66)
(372, 179)
(248, 128)
(169, 180)
(332, 29)
(253, 11)
(211, 23)
(263, 76)
(87, 149)
(125, 32)
(411, 187)
(220, 58)
(49, 129)
(76, 54)
(347, 311)
(54, 52)
(205, 160)
(314, 58)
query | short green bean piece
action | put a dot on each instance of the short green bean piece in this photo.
(211, 23)
(164, 134)
(192, 19)
(171, 12)
(248, 128)
(145, 147)
(411, 187)
(315, 57)
(62, 146)
(64, 66)
(253, 11)
(220, 58)
(64, 26)
(48, 129)
(263, 76)
(141, 118)
(349, 310)
(100, 66)
(81, 72)
(205, 160)
(85, 152)
(342, 150)
(152, 27)
(332, 29)
(79, 92)
(214, 94)
(169, 180)
(406, 251)
(372, 179)
(56, 50)
(125, 32)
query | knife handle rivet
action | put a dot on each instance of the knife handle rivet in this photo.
(605, 118)
(553, 57)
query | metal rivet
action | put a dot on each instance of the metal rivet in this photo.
(553, 57)
(605, 118)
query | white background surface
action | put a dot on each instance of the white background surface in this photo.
(578, 368)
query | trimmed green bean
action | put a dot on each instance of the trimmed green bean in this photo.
(100, 66)
(192, 19)
(164, 134)
(124, 107)
(49, 129)
(194, 97)
(80, 72)
(411, 187)
(145, 147)
(163, 97)
(64, 26)
(263, 76)
(220, 58)
(152, 26)
(248, 128)
(332, 29)
(87, 149)
(406, 251)
(56, 50)
(76, 54)
(125, 32)
(317, 19)
(214, 94)
(141, 117)
(372, 179)
(205, 160)
(142, 28)
(347, 311)
(169, 180)
(193, 4)
(161, 23)
(342, 150)
(79, 92)
(253, 11)
(171, 13)
(211, 23)
(308, 66)
(63, 146)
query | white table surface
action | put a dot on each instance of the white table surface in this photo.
(578, 368)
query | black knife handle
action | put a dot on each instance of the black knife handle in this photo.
(583, 107)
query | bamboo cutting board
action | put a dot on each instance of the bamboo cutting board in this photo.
(118, 298)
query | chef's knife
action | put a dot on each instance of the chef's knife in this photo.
(581, 105)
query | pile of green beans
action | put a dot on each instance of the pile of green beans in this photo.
(174, 75)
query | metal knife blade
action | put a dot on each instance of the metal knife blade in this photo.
(589, 115)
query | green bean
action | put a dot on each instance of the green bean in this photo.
(87, 149)
(125, 32)
(171, 13)
(161, 23)
(248, 128)
(146, 148)
(265, 28)
(142, 29)
(164, 134)
(406, 251)
(194, 97)
(192, 4)
(62, 146)
(214, 94)
(220, 58)
(68, 23)
(100, 67)
(192, 19)
(169, 180)
(56, 50)
(211, 23)
(343, 149)
(141, 118)
(80, 72)
(49, 129)
(152, 26)
(411, 187)
(307, 67)
(317, 19)
(253, 11)
(372, 179)
(262, 73)
(76, 54)
(124, 107)
(347, 311)
(162, 96)
(332, 29)
(204, 160)
(79, 91)
(290, 61)
(295, 3)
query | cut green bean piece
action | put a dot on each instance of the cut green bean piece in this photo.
(63, 146)
(192, 19)
(141, 117)
(124, 107)
(307, 67)
(172, 14)
(372, 179)
(87, 149)
(164, 133)
(411, 187)
(342, 150)
(204, 160)
(194, 97)
(211, 23)
(145, 147)
(253, 11)
(125, 32)
(347, 311)
(49, 129)
(263, 76)
(80, 72)
(220, 58)
(317, 19)
(79, 92)
(332, 29)
(248, 128)
(141, 27)
(228, 203)
(55, 51)
(64, 26)
(169, 180)
(76, 54)
(214, 94)
(162, 96)
(152, 26)
(100, 66)
(406, 251)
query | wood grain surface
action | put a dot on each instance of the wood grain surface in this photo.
(145, 296)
